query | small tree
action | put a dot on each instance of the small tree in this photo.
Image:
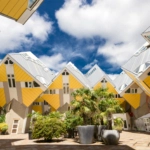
(84, 104)
(107, 106)
(48, 127)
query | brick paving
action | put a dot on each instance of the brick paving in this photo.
(128, 141)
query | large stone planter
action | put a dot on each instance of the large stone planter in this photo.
(99, 132)
(110, 137)
(86, 134)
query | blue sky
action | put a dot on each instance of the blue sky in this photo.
(85, 32)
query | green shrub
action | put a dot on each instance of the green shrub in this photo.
(3, 128)
(2, 118)
(48, 128)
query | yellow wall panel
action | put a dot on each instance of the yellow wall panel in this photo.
(20, 74)
(133, 99)
(57, 84)
(29, 95)
(40, 99)
(21, 10)
(37, 108)
(16, 8)
(74, 83)
(2, 97)
(121, 100)
(147, 81)
(9, 6)
(52, 99)
(3, 4)
(98, 85)
(111, 89)
(3, 75)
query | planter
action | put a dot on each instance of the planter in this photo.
(30, 135)
(86, 134)
(99, 134)
(110, 137)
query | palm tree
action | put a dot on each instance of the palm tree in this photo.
(84, 104)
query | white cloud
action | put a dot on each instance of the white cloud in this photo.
(14, 35)
(90, 65)
(55, 62)
(113, 76)
(116, 21)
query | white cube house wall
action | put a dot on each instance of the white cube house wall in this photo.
(126, 119)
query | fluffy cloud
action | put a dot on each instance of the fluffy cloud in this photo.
(90, 65)
(120, 23)
(55, 62)
(15, 36)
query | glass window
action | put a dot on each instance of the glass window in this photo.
(31, 3)
(36, 84)
(11, 80)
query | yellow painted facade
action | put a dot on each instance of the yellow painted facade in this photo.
(13, 8)
(111, 88)
(29, 95)
(57, 84)
(2, 97)
(37, 108)
(132, 99)
(52, 99)
(3, 75)
(20, 74)
(147, 81)
(74, 83)
(98, 85)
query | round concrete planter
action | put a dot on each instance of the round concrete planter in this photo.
(86, 134)
(110, 137)
(99, 132)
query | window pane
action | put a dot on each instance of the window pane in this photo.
(36, 84)
(63, 73)
(135, 90)
(10, 62)
(67, 90)
(13, 81)
(64, 90)
(9, 82)
(16, 121)
(53, 91)
(6, 62)
(26, 84)
(31, 3)
(14, 130)
(67, 73)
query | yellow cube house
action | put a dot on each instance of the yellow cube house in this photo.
(19, 10)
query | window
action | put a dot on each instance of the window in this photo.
(65, 73)
(35, 84)
(45, 103)
(11, 80)
(127, 91)
(133, 90)
(103, 81)
(66, 88)
(8, 61)
(52, 91)
(31, 3)
(15, 126)
(36, 103)
(117, 96)
(148, 74)
(28, 84)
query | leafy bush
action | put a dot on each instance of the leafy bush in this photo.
(48, 127)
(2, 118)
(118, 124)
(3, 128)
(72, 121)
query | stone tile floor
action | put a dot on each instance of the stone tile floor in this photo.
(128, 141)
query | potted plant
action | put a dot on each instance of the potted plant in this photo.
(118, 124)
(85, 106)
(108, 105)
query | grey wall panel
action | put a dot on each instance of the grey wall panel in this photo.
(19, 93)
(61, 97)
(6, 90)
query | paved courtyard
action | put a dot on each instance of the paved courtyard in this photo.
(128, 141)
